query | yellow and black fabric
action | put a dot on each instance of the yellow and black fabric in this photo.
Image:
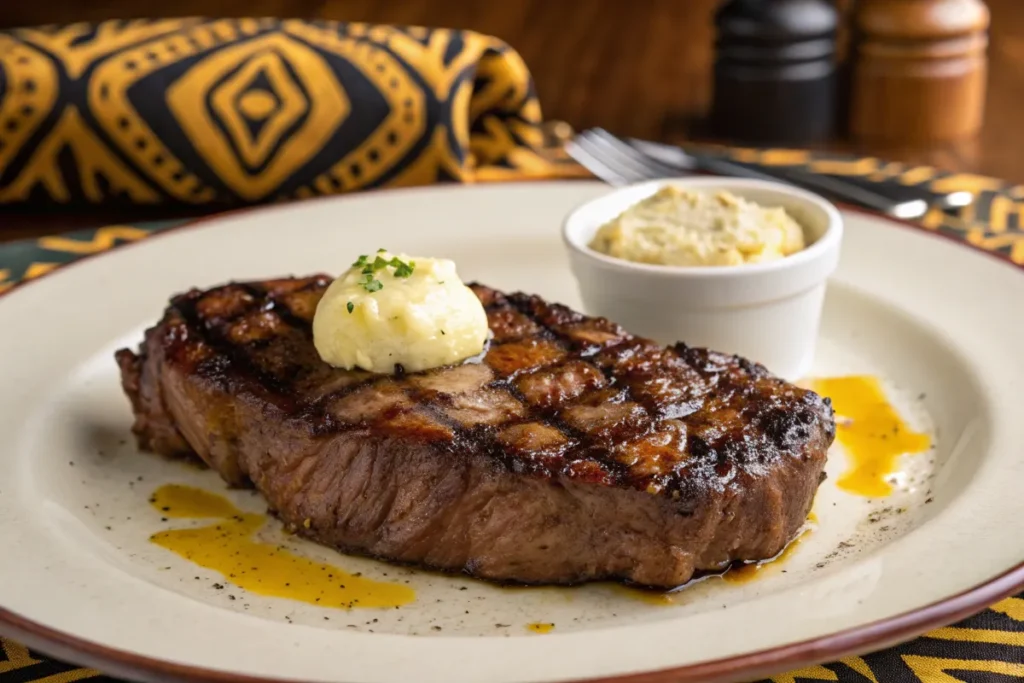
(986, 648)
(228, 111)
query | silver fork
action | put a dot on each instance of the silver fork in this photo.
(617, 162)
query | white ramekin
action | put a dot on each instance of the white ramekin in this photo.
(767, 312)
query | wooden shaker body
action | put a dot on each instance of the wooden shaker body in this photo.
(920, 70)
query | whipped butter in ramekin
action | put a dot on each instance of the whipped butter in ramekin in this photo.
(767, 310)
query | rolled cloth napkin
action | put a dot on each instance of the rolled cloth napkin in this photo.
(228, 111)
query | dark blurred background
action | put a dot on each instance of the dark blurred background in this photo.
(637, 67)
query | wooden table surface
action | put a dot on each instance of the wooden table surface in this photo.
(638, 68)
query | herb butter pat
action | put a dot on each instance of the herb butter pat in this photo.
(389, 310)
(677, 227)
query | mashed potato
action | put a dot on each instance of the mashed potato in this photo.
(678, 227)
(414, 312)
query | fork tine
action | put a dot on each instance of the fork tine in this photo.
(598, 151)
(613, 157)
(580, 150)
(651, 167)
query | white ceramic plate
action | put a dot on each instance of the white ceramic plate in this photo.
(78, 578)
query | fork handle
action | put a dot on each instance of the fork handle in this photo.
(899, 192)
(831, 186)
(837, 188)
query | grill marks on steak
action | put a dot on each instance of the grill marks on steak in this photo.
(572, 451)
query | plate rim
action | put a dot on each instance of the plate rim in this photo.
(874, 635)
(883, 633)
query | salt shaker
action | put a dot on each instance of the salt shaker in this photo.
(919, 70)
(775, 71)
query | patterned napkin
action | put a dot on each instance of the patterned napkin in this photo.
(224, 112)
(231, 111)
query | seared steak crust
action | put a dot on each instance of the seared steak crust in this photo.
(572, 451)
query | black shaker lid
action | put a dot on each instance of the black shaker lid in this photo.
(776, 20)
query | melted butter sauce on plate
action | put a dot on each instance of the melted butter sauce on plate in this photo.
(871, 432)
(229, 547)
(651, 596)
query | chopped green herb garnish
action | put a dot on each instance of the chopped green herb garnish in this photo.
(351, 306)
(381, 250)
(369, 268)
(442, 332)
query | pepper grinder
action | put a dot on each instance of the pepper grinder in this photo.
(775, 71)
(920, 69)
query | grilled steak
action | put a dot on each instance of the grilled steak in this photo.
(573, 452)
